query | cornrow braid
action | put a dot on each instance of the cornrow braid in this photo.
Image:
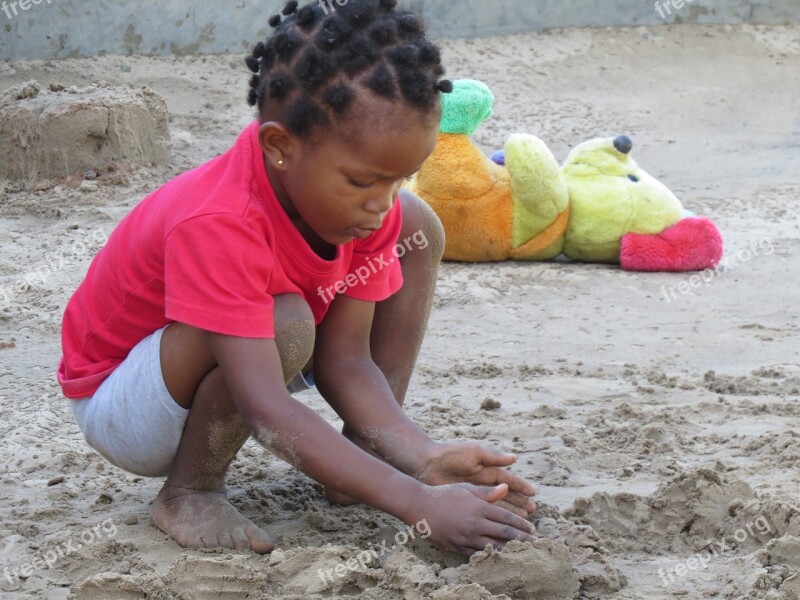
(322, 54)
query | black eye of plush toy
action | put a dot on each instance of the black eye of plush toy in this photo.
(633, 178)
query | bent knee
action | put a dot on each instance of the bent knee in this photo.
(422, 228)
(295, 333)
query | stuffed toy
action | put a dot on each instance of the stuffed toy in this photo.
(600, 206)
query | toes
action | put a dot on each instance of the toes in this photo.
(181, 539)
(225, 540)
(259, 541)
(240, 540)
(189, 539)
(217, 524)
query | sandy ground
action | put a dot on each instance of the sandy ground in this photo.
(663, 434)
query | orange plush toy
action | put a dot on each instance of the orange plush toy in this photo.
(599, 207)
(492, 212)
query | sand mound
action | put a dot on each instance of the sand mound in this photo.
(567, 562)
(121, 587)
(702, 518)
(687, 512)
(539, 570)
(55, 132)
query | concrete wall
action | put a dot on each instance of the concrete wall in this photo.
(76, 28)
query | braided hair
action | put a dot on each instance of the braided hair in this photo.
(321, 56)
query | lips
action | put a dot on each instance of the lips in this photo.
(363, 233)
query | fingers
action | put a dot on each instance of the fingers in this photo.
(499, 495)
(480, 543)
(522, 502)
(506, 533)
(489, 494)
(504, 504)
(486, 522)
(515, 484)
(493, 458)
(504, 517)
(497, 536)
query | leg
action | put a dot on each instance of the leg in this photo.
(192, 506)
(400, 321)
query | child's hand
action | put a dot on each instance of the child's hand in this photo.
(464, 518)
(472, 463)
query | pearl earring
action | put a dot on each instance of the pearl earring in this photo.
(280, 163)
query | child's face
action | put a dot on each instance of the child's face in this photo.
(342, 189)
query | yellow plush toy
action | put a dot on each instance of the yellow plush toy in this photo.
(599, 207)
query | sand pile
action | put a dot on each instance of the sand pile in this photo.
(55, 132)
(568, 562)
(704, 517)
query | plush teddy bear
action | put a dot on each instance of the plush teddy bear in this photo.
(599, 207)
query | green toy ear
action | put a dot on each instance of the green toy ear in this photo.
(466, 107)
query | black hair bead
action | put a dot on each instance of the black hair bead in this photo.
(304, 115)
(306, 17)
(445, 86)
(429, 54)
(253, 64)
(405, 57)
(280, 86)
(252, 97)
(314, 69)
(339, 97)
(382, 83)
(384, 33)
(410, 25)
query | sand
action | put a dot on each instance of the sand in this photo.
(661, 430)
(53, 133)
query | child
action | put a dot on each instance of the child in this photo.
(236, 277)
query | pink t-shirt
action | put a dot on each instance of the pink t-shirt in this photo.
(210, 249)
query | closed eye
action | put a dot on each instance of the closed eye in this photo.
(365, 186)
(359, 184)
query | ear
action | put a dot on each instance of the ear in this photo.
(280, 146)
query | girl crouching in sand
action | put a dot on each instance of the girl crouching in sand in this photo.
(274, 259)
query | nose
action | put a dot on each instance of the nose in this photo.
(383, 204)
(623, 144)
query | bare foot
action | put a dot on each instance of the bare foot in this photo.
(205, 520)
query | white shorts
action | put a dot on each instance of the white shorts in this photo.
(132, 420)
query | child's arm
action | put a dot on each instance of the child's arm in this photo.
(358, 391)
(459, 516)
